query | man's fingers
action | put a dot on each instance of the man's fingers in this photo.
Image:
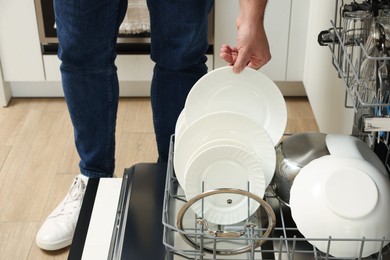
(228, 54)
(241, 62)
(243, 58)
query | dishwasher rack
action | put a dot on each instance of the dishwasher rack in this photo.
(362, 60)
(285, 241)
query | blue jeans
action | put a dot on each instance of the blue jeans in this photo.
(87, 33)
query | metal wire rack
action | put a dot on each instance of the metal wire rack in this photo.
(360, 45)
(351, 51)
(285, 242)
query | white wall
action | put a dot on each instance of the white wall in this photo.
(326, 92)
(20, 50)
(5, 90)
(285, 25)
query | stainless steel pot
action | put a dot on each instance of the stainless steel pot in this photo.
(291, 156)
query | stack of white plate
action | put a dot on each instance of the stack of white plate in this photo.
(225, 138)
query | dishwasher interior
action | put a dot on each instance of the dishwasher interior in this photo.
(270, 233)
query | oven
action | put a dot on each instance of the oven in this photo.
(133, 38)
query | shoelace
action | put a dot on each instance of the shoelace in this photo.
(73, 198)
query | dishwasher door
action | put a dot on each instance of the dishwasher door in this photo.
(138, 229)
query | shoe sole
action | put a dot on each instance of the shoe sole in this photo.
(53, 246)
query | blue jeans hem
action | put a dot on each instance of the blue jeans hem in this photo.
(92, 174)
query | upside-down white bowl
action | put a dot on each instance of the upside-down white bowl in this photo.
(342, 198)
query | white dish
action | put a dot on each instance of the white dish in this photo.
(225, 166)
(350, 146)
(249, 93)
(213, 143)
(180, 126)
(342, 198)
(224, 125)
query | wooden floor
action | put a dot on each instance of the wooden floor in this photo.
(38, 161)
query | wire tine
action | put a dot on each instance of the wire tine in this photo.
(202, 227)
(248, 200)
(284, 228)
(315, 253)
(252, 253)
(215, 248)
(381, 247)
(361, 248)
(280, 248)
(328, 248)
(293, 247)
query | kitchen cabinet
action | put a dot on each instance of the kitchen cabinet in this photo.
(134, 73)
(20, 50)
(29, 73)
(130, 67)
(5, 91)
(285, 25)
(326, 92)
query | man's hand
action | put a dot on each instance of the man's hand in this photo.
(252, 48)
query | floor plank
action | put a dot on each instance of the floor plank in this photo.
(135, 148)
(12, 118)
(300, 117)
(138, 115)
(16, 239)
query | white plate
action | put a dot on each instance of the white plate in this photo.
(216, 142)
(224, 125)
(180, 126)
(345, 198)
(352, 147)
(249, 93)
(225, 166)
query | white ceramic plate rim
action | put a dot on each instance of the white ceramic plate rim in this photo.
(207, 90)
(224, 125)
(213, 143)
(180, 126)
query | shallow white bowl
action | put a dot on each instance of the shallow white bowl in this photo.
(342, 198)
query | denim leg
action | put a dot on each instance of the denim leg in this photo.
(179, 43)
(87, 32)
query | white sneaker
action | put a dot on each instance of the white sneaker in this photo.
(58, 229)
